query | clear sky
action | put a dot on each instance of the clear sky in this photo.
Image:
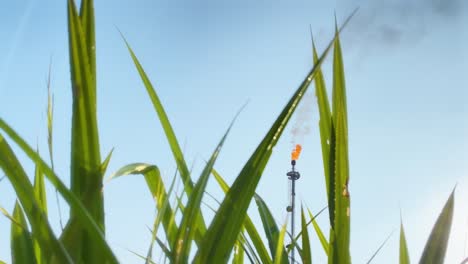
(406, 72)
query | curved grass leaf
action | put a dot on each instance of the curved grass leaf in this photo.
(188, 224)
(306, 253)
(380, 247)
(318, 231)
(25, 193)
(238, 257)
(436, 245)
(171, 138)
(280, 252)
(248, 225)
(22, 250)
(404, 254)
(41, 197)
(325, 126)
(83, 216)
(272, 231)
(158, 191)
(158, 221)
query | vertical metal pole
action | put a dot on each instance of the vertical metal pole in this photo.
(293, 196)
(293, 176)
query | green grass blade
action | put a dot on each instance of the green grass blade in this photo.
(158, 220)
(41, 197)
(306, 252)
(88, 25)
(83, 216)
(272, 231)
(341, 226)
(25, 193)
(436, 245)
(188, 224)
(280, 252)
(404, 254)
(318, 231)
(238, 257)
(299, 236)
(171, 138)
(158, 191)
(85, 159)
(380, 247)
(248, 225)
(325, 126)
(226, 225)
(86, 177)
(22, 250)
(106, 161)
(39, 189)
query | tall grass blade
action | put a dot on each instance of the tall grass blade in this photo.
(188, 223)
(238, 257)
(318, 231)
(22, 250)
(340, 234)
(279, 255)
(272, 231)
(171, 137)
(325, 126)
(306, 252)
(248, 225)
(41, 197)
(158, 191)
(158, 220)
(25, 187)
(25, 193)
(380, 248)
(86, 177)
(436, 245)
(404, 254)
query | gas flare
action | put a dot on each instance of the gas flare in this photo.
(296, 152)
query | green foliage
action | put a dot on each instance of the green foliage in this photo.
(231, 235)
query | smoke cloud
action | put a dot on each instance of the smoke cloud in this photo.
(389, 23)
(302, 125)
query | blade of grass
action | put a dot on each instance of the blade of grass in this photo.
(306, 253)
(318, 231)
(83, 216)
(279, 256)
(341, 222)
(244, 242)
(248, 225)
(188, 224)
(22, 250)
(325, 126)
(404, 254)
(158, 191)
(86, 177)
(436, 245)
(158, 220)
(25, 193)
(238, 253)
(380, 247)
(41, 197)
(272, 231)
(294, 242)
(171, 138)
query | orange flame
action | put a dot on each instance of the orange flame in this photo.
(296, 152)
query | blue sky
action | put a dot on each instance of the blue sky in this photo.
(405, 63)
